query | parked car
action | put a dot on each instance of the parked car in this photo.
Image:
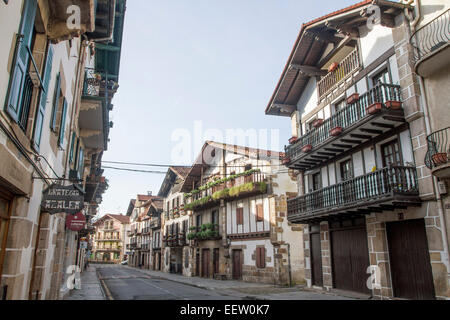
(124, 262)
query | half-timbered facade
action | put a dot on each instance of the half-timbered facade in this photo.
(175, 223)
(237, 199)
(108, 240)
(363, 194)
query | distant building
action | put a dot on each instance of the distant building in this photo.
(109, 237)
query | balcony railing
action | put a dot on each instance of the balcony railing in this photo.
(26, 102)
(92, 82)
(155, 222)
(363, 190)
(431, 36)
(438, 148)
(345, 68)
(344, 118)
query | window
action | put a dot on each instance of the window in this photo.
(259, 212)
(198, 221)
(346, 170)
(43, 100)
(309, 125)
(316, 181)
(381, 77)
(20, 85)
(215, 217)
(239, 216)
(260, 257)
(390, 153)
(72, 148)
(338, 106)
(56, 98)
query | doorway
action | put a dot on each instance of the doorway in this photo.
(237, 264)
(205, 263)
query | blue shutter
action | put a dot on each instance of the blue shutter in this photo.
(55, 102)
(43, 101)
(62, 127)
(72, 147)
(81, 163)
(22, 57)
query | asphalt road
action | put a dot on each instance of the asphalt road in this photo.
(129, 284)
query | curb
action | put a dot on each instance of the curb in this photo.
(105, 290)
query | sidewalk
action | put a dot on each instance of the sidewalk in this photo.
(253, 291)
(91, 289)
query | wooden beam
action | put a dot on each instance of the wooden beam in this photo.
(334, 150)
(308, 70)
(371, 131)
(347, 30)
(320, 157)
(324, 36)
(395, 119)
(346, 146)
(351, 141)
(327, 154)
(360, 136)
(383, 125)
(330, 55)
(287, 108)
(375, 209)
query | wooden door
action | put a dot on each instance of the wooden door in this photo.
(197, 264)
(216, 260)
(350, 259)
(205, 263)
(237, 264)
(410, 263)
(316, 260)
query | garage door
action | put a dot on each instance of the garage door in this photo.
(350, 259)
(410, 263)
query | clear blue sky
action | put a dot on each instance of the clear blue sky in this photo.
(215, 61)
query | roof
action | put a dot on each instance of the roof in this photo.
(309, 48)
(201, 161)
(174, 172)
(121, 218)
(158, 205)
(182, 172)
(131, 207)
(143, 197)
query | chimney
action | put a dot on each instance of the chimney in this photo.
(149, 193)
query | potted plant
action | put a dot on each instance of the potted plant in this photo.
(336, 131)
(333, 67)
(286, 160)
(440, 158)
(393, 104)
(353, 98)
(317, 123)
(307, 148)
(293, 140)
(374, 108)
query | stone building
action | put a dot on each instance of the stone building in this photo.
(108, 240)
(155, 213)
(369, 205)
(43, 136)
(175, 223)
(236, 199)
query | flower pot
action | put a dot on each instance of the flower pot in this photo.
(353, 98)
(307, 148)
(317, 123)
(293, 140)
(392, 104)
(286, 160)
(374, 108)
(440, 158)
(333, 67)
(336, 131)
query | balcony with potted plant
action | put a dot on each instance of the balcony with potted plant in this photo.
(437, 158)
(365, 117)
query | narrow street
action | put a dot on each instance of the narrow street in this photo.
(129, 284)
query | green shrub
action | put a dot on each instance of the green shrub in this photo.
(222, 194)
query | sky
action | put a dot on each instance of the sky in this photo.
(190, 71)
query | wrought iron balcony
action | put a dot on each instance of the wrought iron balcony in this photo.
(365, 117)
(432, 44)
(350, 64)
(437, 158)
(384, 189)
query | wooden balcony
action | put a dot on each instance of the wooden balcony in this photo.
(437, 158)
(343, 71)
(229, 191)
(385, 189)
(371, 115)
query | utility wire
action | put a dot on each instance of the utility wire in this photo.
(134, 170)
(171, 165)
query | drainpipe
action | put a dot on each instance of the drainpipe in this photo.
(289, 264)
(426, 112)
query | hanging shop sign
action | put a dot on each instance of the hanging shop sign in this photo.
(63, 199)
(76, 222)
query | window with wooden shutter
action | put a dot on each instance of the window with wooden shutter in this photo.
(240, 216)
(259, 212)
(55, 107)
(72, 148)
(43, 100)
(62, 127)
(260, 257)
(19, 71)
